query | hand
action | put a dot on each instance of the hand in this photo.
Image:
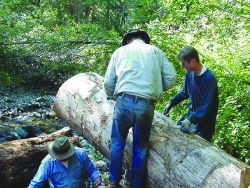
(167, 109)
(185, 125)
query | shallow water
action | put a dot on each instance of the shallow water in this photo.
(29, 110)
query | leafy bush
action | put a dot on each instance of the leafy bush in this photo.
(5, 78)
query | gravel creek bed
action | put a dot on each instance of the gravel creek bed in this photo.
(27, 113)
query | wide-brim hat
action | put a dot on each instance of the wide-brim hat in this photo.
(61, 148)
(135, 33)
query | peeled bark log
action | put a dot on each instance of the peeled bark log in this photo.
(175, 159)
(20, 159)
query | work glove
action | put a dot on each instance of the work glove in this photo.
(167, 109)
(185, 125)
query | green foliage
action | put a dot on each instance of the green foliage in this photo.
(50, 46)
(220, 32)
(36, 46)
(5, 78)
(9, 79)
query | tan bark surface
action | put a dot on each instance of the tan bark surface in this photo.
(175, 159)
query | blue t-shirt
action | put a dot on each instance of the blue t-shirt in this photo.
(79, 166)
(202, 93)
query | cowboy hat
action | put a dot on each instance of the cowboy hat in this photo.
(61, 148)
(135, 33)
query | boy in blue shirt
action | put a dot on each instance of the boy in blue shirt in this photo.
(65, 166)
(200, 88)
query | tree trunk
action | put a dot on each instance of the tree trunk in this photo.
(175, 159)
(20, 159)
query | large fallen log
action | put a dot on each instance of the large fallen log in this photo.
(20, 159)
(175, 159)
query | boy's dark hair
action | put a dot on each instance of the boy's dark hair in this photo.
(187, 53)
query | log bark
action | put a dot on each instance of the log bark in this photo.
(175, 159)
(20, 159)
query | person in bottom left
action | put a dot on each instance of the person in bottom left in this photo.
(66, 166)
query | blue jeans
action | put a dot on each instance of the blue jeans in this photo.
(130, 112)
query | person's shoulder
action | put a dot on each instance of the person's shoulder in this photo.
(209, 78)
(155, 48)
(117, 50)
(209, 74)
(80, 151)
(47, 159)
(81, 154)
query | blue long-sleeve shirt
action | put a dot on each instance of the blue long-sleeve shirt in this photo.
(79, 166)
(202, 92)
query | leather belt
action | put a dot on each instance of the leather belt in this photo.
(137, 98)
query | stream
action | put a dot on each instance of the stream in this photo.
(27, 113)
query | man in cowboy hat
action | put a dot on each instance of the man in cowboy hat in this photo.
(65, 166)
(137, 74)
